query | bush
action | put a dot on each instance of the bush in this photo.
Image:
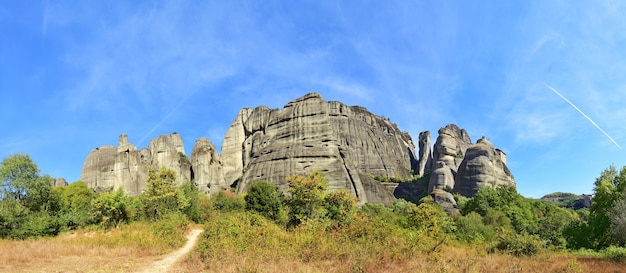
(470, 228)
(112, 209)
(340, 207)
(225, 201)
(264, 198)
(615, 253)
(518, 245)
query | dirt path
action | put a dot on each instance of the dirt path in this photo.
(168, 261)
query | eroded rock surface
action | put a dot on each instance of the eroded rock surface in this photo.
(482, 167)
(207, 169)
(448, 153)
(345, 142)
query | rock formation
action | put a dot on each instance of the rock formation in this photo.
(59, 182)
(98, 168)
(207, 170)
(446, 200)
(346, 143)
(108, 167)
(482, 167)
(425, 160)
(448, 153)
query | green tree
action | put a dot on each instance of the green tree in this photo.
(191, 193)
(75, 203)
(306, 197)
(226, 201)
(340, 207)
(112, 209)
(29, 207)
(609, 192)
(266, 199)
(162, 197)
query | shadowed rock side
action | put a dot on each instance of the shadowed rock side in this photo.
(482, 167)
(310, 134)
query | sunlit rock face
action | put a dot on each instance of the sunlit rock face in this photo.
(483, 166)
(208, 173)
(109, 168)
(448, 153)
(347, 143)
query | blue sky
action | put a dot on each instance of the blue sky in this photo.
(74, 75)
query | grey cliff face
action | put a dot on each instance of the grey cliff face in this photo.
(208, 172)
(346, 143)
(448, 153)
(98, 168)
(425, 159)
(482, 167)
(108, 168)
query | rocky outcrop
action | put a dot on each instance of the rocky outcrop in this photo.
(345, 142)
(168, 151)
(232, 149)
(482, 167)
(108, 167)
(348, 144)
(59, 182)
(207, 170)
(448, 153)
(445, 200)
(98, 168)
(425, 159)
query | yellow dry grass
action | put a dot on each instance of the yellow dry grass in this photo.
(119, 250)
(450, 259)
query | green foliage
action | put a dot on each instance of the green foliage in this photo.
(28, 206)
(616, 254)
(112, 209)
(226, 201)
(604, 225)
(306, 197)
(75, 204)
(191, 194)
(432, 219)
(340, 207)
(267, 200)
(18, 174)
(518, 244)
(161, 196)
(471, 229)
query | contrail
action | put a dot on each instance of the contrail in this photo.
(584, 115)
(163, 120)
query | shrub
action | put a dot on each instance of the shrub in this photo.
(112, 209)
(228, 201)
(470, 228)
(264, 198)
(340, 207)
(518, 245)
(615, 253)
(307, 195)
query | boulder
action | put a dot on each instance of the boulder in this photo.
(482, 167)
(446, 201)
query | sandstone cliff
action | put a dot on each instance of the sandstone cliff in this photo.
(346, 142)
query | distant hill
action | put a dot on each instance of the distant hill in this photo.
(569, 200)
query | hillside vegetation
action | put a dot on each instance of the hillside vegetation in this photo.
(310, 229)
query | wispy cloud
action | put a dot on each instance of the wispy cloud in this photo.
(584, 115)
